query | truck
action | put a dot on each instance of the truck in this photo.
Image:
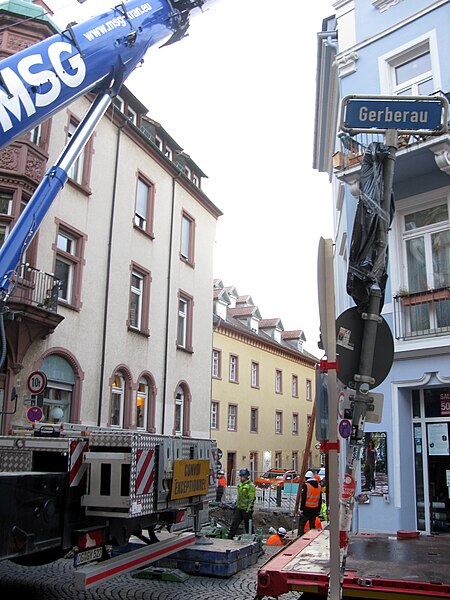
(73, 489)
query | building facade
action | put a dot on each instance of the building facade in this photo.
(263, 386)
(389, 48)
(110, 293)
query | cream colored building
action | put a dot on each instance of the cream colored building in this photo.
(263, 388)
(122, 340)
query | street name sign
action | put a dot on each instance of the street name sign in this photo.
(422, 115)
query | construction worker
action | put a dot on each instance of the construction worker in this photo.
(276, 539)
(310, 504)
(246, 493)
(221, 485)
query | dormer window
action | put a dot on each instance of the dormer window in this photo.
(132, 115)
(168, 152)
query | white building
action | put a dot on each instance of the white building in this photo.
(131, 240)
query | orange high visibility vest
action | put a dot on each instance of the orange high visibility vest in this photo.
(274, 540)
(312, 496)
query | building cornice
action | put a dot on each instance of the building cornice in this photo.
(255, 341)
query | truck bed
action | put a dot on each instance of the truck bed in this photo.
(378, 566)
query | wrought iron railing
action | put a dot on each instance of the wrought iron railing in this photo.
(36, 288)
(422, 314)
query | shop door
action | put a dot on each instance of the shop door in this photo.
(439, 476)
(231, 468)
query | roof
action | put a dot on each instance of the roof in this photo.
(296, 334)
(30, 10)
(244, 311)
(267, 323)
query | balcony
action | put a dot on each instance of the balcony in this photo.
(36, 288)
(422, 314)
(422, 161)
(32, 312)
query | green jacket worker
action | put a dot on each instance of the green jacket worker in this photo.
(246, 493)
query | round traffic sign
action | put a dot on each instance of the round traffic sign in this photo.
(34, 413)
(345, 428)
(349, 342)
(37, 382)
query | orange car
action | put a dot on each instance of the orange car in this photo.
(269, 478)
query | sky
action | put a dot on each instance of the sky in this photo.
(238, 94)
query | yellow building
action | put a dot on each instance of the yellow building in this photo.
(263, 386)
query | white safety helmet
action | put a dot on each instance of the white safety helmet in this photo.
(281, 531)
(309, 475)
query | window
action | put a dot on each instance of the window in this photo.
(216, 364)
(144, 201)
(308, 389)
(195, 180)
(139, 300)
(255, 375)
(132, 116)
(168, 152)
(278, 459)
(182, 411)
(187, 238)
(295, 460)
(426, 240)
(158, 142)
(57, 402)
(295, 424)
(295, 386)
(142, 404)
(411, 70)
(69, 253)
(234, 368)
(35, 135)
(117, 400)
(308, 423)
(278, 422)
(118, 103)
(6, 207)
(254, 420)
(415, 76)
(179, 412)
(232, 417)
(278, 381)
(214, 415)
(80, 171)
(184, 336)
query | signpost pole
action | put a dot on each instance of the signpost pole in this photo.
(363, 379)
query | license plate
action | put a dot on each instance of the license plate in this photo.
(85, 556)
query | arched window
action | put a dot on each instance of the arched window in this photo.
(142, 396)
(117, 400)
(179, 411)
(57, 404)
(182, 414)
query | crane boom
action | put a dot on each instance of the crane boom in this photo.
(94, 56)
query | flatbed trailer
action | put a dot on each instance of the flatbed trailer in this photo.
(378, 567)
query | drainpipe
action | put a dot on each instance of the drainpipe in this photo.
(108, 276)
(169, 278)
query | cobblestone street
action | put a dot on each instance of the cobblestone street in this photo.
(55, 582)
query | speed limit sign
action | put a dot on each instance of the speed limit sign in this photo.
(37, 382)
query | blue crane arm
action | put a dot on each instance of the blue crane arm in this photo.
(96, 55)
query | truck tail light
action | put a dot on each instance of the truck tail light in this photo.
(90, 538)
(179, 515)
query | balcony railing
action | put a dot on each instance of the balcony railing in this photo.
(422, 314)
(36, 288)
